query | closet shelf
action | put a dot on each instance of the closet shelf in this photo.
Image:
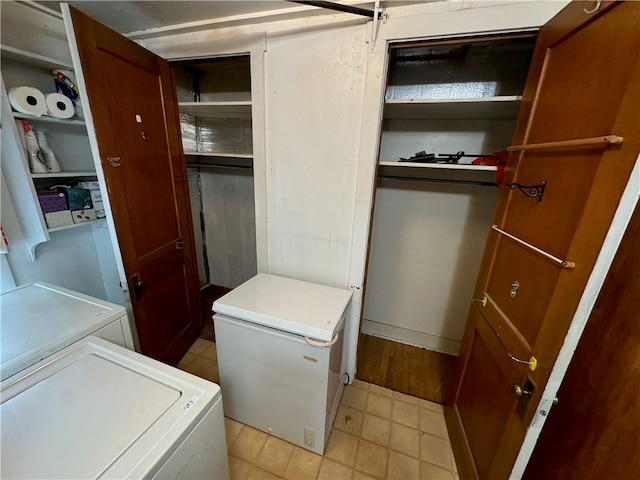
(75, 225)
(240, 109)
(47, 119)
(438, 171)
(218, 155)
(30, 58)
(473, 108)
(220, 161)
(63, 174)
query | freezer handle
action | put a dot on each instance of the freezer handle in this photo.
(320, 343)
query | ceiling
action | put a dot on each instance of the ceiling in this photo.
(126, 16)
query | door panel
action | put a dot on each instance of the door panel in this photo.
(489, 378)
(132, 101)
(536, 277)
(589, 86)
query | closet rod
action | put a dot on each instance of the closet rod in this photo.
(559, 261)
(603, 142)
(213, 165)
(437, 180)
(338, 7)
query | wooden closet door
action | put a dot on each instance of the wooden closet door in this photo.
(588, 86)
(132, 100)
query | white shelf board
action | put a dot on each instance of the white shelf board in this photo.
(438, 171)
(75, 225)
(30, 58)
(240, 109)
(48, 119)
(474, 108)
(219, 155)
(63, 174)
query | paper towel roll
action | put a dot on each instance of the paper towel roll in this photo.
(59, 106)
(28, 100)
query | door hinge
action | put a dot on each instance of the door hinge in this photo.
(138, 286)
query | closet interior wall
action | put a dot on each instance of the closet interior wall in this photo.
(431, 220)
(214, 98)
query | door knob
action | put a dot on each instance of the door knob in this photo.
(520, 392)
(138, 285)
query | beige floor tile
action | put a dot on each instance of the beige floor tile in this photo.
(258, 473)
(342, 447)
(406, 398)
(357, 475)
(248, 443)
(405, 440)
(371, 459)
(402, 467)
(186, 360)
(379, 405)
(330, 470)
(238, 469)
(436, 451)
(385, 392)
(231, 430)
(275, 456)
(432, 472)
(376, 429)
(210, 351)
(360, 384)
(436, 407)
(433, 423)
(304, 465)
(199, 366)
(199, 346)
(405, 414)
(212, 374)
(349, 420)
(354, 397)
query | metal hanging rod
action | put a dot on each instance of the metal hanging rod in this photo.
(602, 142)
(437, 180)
(559, 261)
(217, 165)
(340, 8)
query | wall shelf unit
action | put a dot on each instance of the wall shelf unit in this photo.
(505, 106)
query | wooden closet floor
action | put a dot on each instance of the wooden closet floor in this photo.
(406, 369)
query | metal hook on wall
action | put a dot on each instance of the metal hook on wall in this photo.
(594, 9)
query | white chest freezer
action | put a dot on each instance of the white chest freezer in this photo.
(280, 350)
(39, 319)
(97, 410)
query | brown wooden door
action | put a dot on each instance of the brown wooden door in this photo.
(584, 83)
(132, 100)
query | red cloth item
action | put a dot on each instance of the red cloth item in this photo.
(498, 159)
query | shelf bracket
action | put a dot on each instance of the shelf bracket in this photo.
(379, 15)
(531, 191)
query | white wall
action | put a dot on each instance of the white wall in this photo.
(315, 83)
(322, 96)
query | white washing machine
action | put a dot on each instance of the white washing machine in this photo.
(280, 355)
(97, 410)
(39, 319)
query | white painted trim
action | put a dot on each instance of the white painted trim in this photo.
(411, 337)
(587, 301)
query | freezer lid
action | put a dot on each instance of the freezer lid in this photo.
(39, 319)
(294, 306)
(96, 409)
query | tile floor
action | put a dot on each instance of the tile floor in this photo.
(377, 434)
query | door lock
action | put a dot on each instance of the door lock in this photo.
(514, 289)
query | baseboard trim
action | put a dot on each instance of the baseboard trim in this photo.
(411, 337)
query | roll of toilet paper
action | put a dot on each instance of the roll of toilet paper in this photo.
(28, 100)
(59, 106)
